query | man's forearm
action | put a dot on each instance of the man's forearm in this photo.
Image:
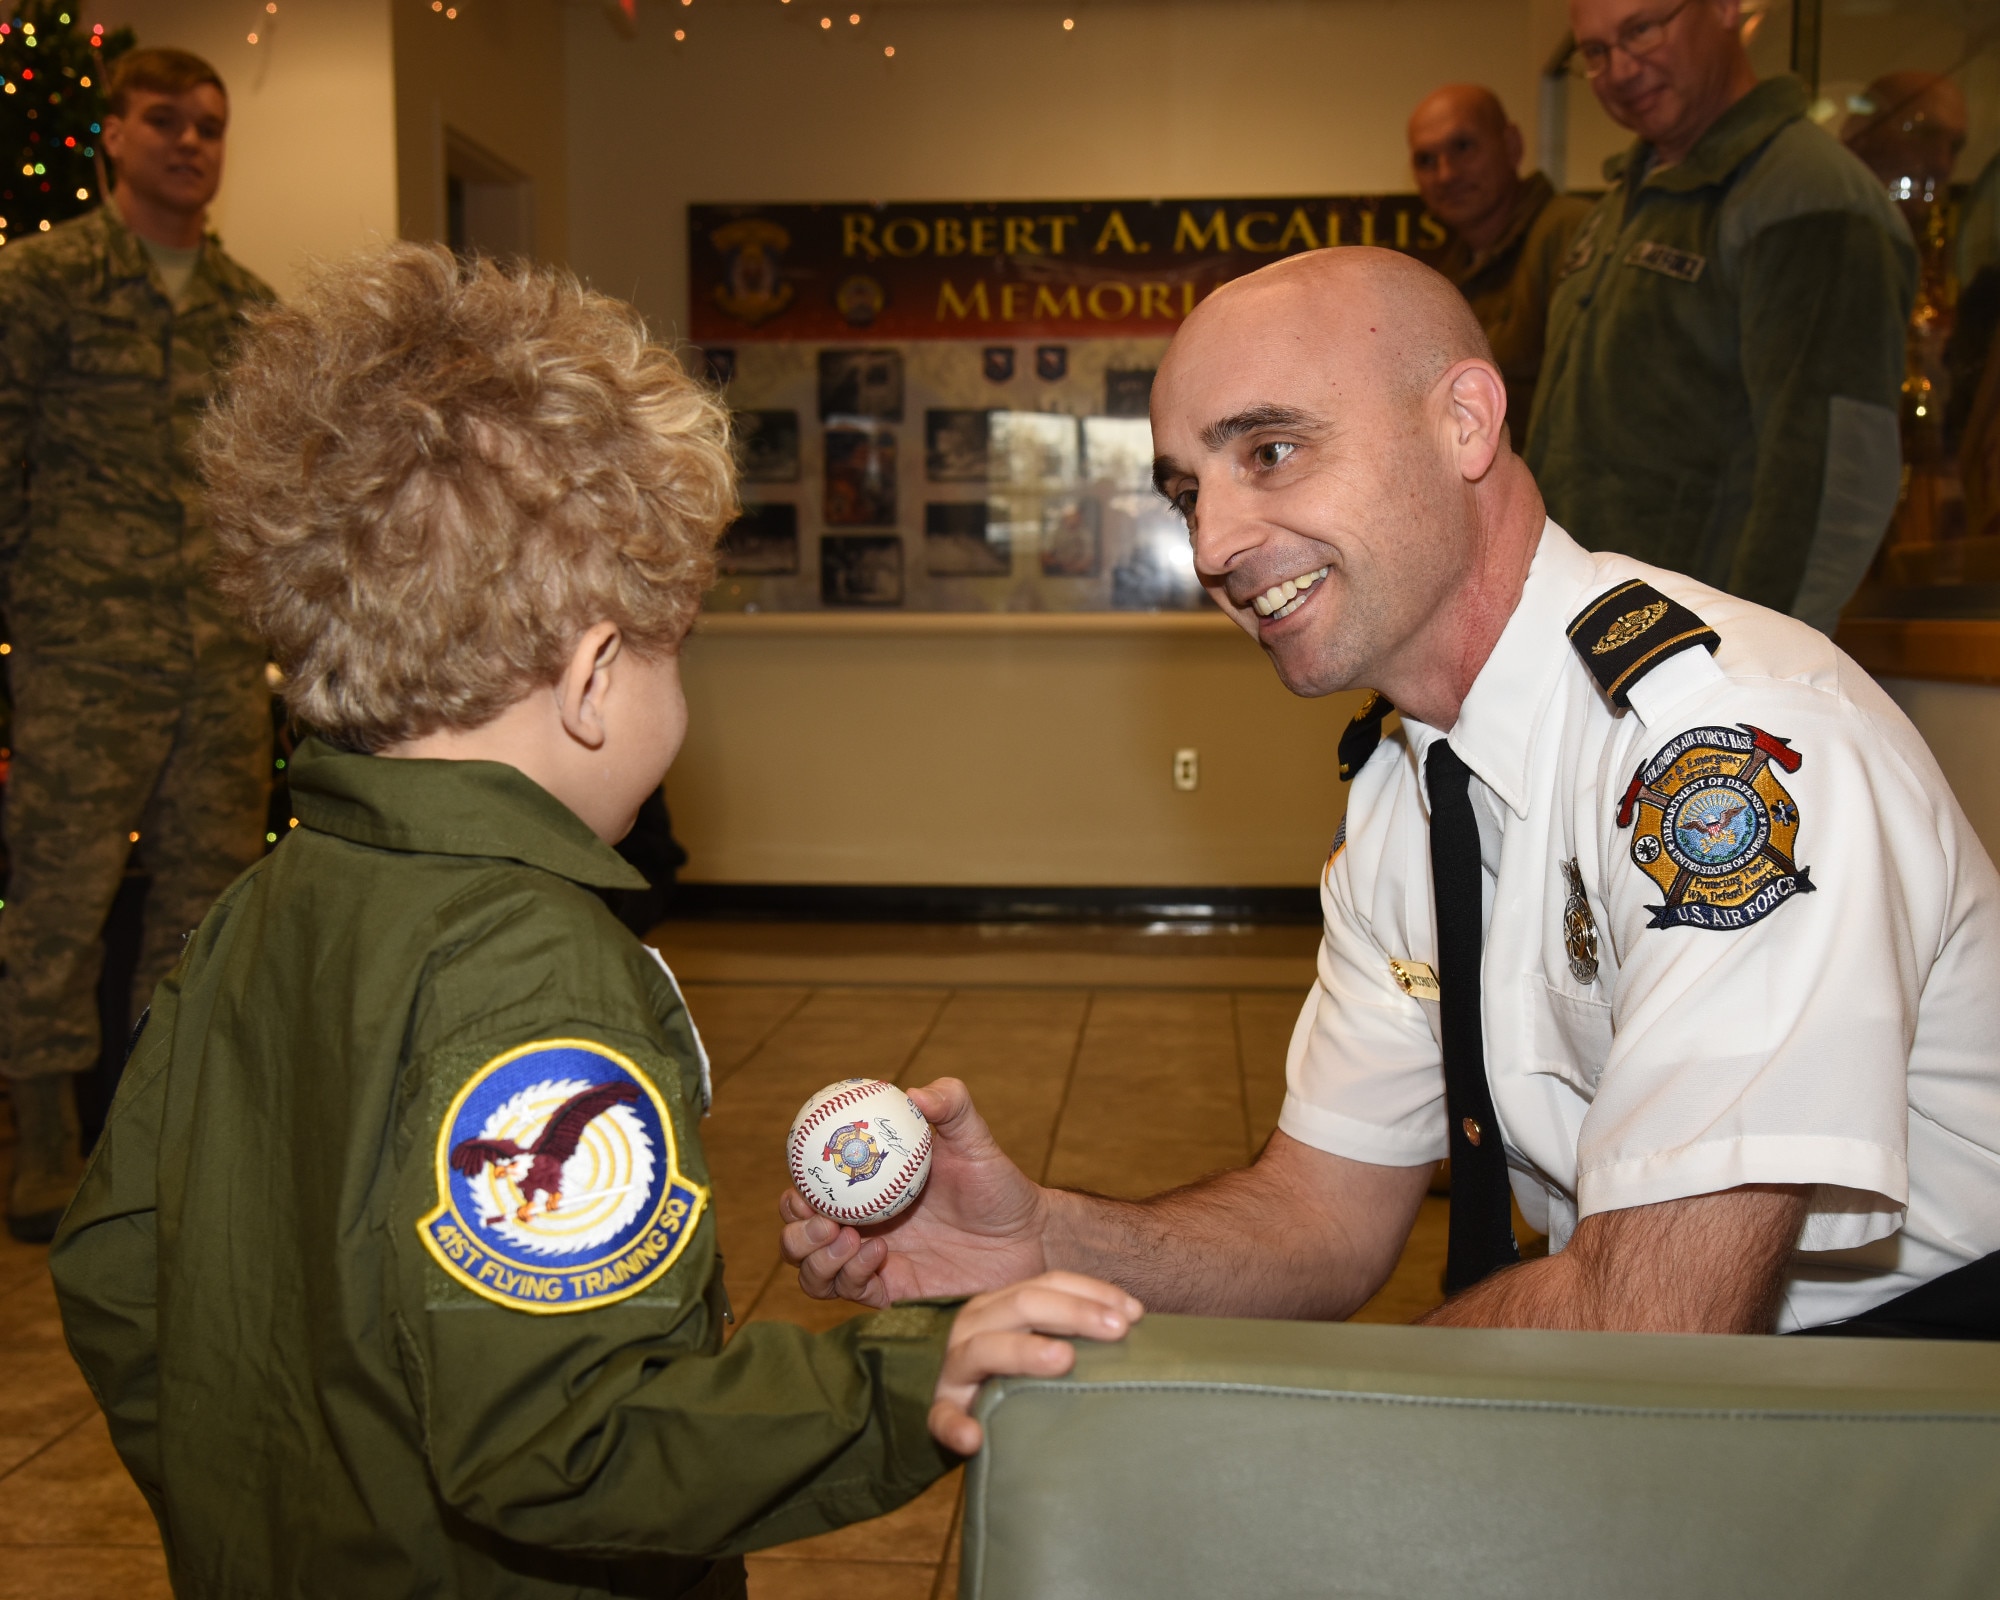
(1710, 1264)
(1276, 1239)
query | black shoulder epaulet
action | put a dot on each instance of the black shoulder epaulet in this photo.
(1627, 631)
(1363, 734)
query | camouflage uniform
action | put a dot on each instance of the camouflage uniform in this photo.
(139, 705)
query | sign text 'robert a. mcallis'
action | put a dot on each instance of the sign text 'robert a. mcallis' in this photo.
(1054, 269)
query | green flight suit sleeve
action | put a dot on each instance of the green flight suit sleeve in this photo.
(625, 1427)
(105, 1263)
(31, 326)
(1825, 300)
(1549, 246)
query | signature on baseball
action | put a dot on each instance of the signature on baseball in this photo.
(860, 1151)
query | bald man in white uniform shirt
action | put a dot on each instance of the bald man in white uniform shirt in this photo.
(1678, 932)
(1642, 1044)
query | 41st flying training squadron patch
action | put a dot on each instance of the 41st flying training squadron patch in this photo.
(1716, 828)
(558, 1183)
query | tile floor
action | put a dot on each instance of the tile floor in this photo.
(1119, 1059)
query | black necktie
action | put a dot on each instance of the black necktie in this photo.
(1482, 1230)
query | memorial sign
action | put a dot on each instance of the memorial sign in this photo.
(943, 406)
(1033, 269)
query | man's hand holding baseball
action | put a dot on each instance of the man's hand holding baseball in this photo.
(978, 1225)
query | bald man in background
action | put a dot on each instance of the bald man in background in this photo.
(1701, 1079)
(1509, 233)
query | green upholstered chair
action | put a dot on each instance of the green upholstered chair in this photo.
(1212, 1458)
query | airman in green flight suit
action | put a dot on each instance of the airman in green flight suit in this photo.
(395, 1270)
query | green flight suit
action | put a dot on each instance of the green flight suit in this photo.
(140, 706)
(1725, 358)
(252, 1278)
(1508, 285)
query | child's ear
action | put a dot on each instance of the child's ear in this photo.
(586, 682)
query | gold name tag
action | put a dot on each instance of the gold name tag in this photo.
(1414, 978)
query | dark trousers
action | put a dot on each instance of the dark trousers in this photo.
(1963, 1304)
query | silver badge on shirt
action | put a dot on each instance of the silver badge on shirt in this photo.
(1579, 931)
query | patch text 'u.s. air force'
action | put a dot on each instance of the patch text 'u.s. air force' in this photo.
(1627, 631)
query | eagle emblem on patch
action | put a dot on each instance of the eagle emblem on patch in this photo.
(853, 1152)
(1716, 828)
(558, 1181)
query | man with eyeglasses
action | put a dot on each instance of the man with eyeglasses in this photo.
(1509, 233)
(1719, 394)
(141, 717)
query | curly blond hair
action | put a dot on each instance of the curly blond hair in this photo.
(428, 476)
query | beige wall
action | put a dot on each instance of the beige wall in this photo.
(955, 750)
(495, 76)
(1961, 723)
(901, 752)
(991, 101)
(312, 157)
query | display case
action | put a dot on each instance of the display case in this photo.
(1913, 88)
(942, 408)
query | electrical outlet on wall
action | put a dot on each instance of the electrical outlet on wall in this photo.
(1187, 769)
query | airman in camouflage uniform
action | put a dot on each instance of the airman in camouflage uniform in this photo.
(140, 710)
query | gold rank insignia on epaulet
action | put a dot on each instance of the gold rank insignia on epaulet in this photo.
(1363, 734)
(1626, 632)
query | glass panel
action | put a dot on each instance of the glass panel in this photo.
(1913, 88)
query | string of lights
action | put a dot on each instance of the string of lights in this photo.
(52, 67)
(624, 15)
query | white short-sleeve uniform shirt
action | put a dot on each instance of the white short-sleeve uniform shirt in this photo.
(1844, 1035)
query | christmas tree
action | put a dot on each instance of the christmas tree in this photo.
(52, 110)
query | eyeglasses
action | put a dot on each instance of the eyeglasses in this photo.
(1641, 36)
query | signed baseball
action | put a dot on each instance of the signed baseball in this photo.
(859, 1151)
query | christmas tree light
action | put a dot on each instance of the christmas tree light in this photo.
(51, 114)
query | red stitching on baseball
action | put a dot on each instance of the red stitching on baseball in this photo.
(905, 1174)
(839, 1102)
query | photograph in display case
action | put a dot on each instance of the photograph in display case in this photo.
(861, 383)
(861, 569)
(962, 539)
(762, 543)
(1035, 450)
(1071, 536)
(768, 445)
(860, 476)
(717, 364)
(955, 446)
(1128, 394)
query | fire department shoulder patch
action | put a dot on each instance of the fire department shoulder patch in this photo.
(1716, 828)
(559, 1187)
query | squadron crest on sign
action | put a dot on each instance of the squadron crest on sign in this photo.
(753, 287)
(558, 1187)
(1716, 828)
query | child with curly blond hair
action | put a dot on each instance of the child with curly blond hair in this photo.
(395, 1271)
